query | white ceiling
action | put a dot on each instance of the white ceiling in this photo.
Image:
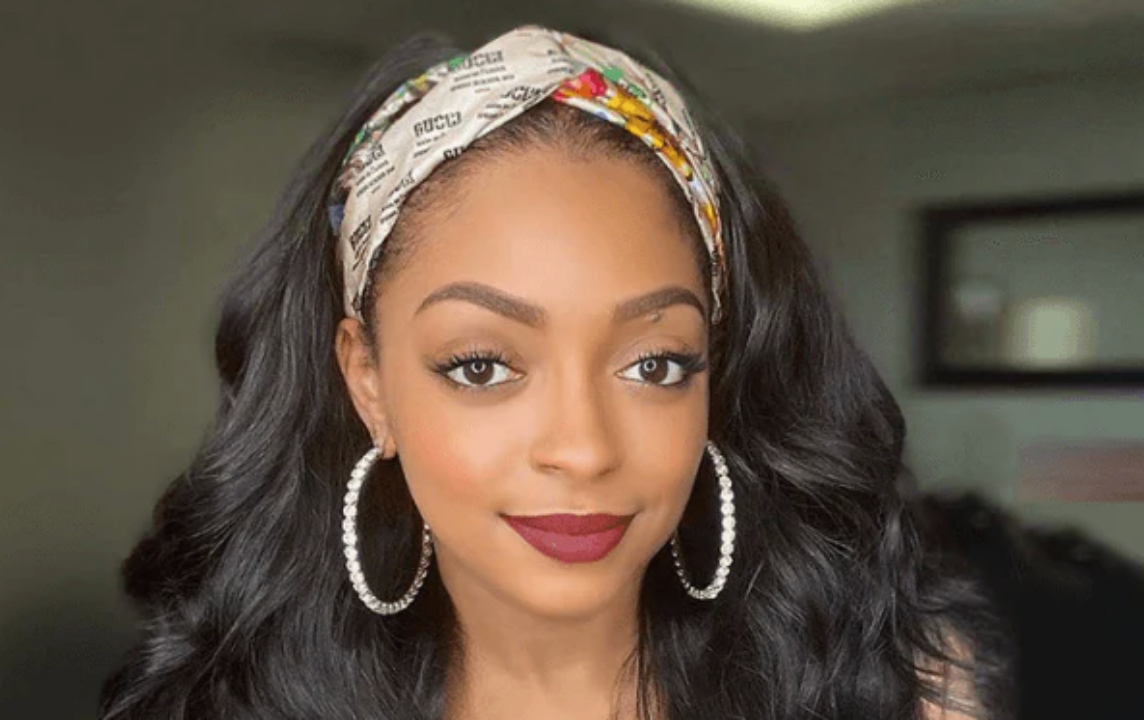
(750, 71)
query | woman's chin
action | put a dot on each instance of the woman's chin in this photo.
(570, 598)
(559, 592)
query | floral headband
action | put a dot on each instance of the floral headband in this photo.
(434, 116)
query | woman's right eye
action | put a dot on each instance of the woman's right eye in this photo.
(480, 373)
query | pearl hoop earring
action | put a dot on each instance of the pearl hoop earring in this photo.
(726, 537)
(350, 542)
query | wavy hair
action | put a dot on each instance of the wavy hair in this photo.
(833, 609)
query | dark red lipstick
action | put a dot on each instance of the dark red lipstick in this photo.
(571, 538)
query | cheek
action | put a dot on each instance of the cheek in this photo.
(468, 461)
(664, 447)
(452, 455)
(458, 454)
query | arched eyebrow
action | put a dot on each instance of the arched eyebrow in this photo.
(534, 316)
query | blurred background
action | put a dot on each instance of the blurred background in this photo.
(142, 144)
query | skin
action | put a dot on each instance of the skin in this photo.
(572, 271)
(575, 273)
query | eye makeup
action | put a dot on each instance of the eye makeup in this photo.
(475, 369)
(657, 362)
(484, 369)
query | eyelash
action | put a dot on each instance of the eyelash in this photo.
(690, 364)
(459, 360)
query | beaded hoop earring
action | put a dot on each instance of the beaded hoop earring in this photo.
(350, 541)
(726, 537)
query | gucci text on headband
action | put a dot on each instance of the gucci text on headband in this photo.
(434, 116)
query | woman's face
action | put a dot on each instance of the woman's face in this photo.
(543, 351)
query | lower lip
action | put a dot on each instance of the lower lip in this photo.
(571, 548)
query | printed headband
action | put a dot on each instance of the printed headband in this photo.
(434, 116)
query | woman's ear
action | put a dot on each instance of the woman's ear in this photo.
(362, 375)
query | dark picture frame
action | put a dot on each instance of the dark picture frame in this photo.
(939, 224)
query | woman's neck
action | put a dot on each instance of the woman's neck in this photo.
(511, 662)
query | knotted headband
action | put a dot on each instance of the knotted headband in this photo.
(434, 116)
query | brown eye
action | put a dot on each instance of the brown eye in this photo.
(653, 370)
(477, 372)
(661, 370)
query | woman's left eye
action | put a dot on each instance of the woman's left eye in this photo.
(663, 370)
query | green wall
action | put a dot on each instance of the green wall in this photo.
(856, 176)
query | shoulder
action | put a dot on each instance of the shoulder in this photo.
(950, 681)
(949, 711)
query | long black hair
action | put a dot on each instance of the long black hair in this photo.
(832, 608)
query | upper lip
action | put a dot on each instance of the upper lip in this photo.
(570, 524)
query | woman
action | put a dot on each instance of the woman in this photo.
(532, 406)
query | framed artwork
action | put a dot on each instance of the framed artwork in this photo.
(1025, 293)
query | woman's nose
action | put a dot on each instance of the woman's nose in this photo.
(576, 436)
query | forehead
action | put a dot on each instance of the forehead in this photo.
(562, 231)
